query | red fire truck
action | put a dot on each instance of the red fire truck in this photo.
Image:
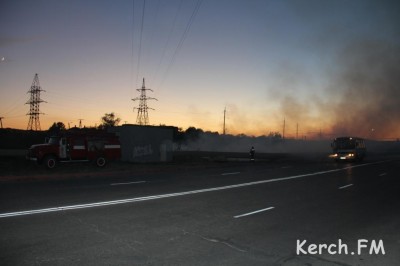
(75, 147)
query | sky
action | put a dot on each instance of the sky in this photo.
(307, 67)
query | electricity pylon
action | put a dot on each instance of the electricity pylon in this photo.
(34, 102)
(142, 115)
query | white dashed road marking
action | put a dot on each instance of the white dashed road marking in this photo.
(234, 173)
(346, 186)
(127, 183)
(254, 212)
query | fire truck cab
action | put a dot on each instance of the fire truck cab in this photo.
(75, 147)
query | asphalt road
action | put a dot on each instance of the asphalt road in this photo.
(233, 213)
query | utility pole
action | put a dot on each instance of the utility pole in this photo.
(284, 125)
(80, 122)
(142, 115)
(297, 131)
(1, 121)
(224, 129)
(34, 102)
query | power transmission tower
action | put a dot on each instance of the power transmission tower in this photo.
(34, 102)
(143, 116)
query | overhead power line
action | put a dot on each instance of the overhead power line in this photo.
(15, 108)
(140, 41)
(169, 38)
(133, 39)
(183, 38)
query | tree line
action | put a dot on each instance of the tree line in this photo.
(107, 121)
(179, 135)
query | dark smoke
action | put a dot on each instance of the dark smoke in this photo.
(366, 92)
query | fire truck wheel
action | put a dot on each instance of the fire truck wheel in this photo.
(101, 161)
(50, 161)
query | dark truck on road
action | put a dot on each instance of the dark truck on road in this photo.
(348, 149)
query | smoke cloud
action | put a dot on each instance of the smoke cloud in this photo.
(365, 90)
(362, 97)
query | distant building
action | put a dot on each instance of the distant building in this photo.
(145, 143)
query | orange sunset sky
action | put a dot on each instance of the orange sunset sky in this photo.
(329, 67)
